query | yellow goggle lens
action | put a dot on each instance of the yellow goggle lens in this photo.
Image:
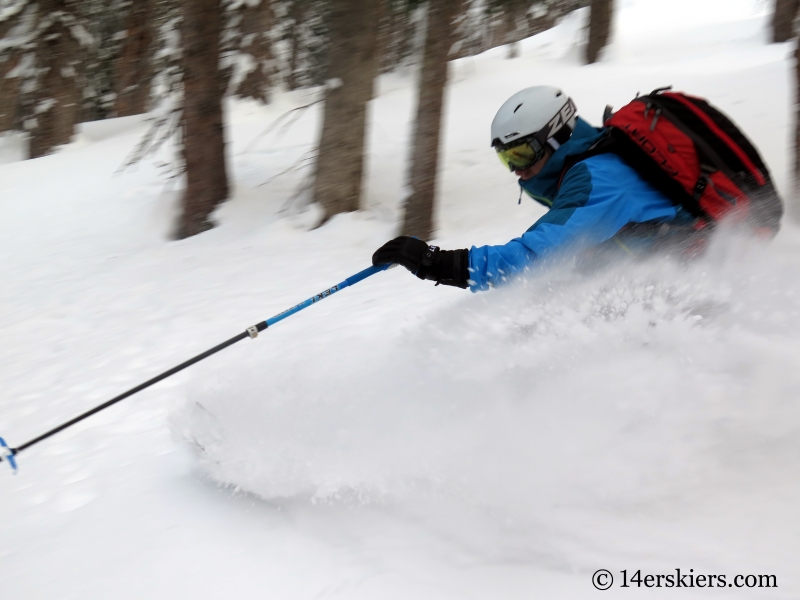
(517, 157)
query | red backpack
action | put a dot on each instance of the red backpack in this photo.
(696, 155)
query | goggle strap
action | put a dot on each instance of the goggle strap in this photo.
(562, 135)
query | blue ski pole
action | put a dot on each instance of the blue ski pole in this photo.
(7, 453)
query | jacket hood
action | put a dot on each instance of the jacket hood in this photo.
(544, 186)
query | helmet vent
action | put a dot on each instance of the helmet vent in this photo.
(518, 107)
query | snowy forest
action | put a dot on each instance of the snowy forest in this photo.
(603, 421)
(65, 62)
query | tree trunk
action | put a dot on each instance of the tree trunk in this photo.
(401, 34)
(297, 9)
(382, 10)
(783, 20)
(340, 164)
(599, 28)
(56, 104)
(203, 141)
(385, 45)
(505, 26)
(794, 206)
(9, 95)
(514, 23)
(439, 37)
(134, 73)
(256, 24)
(9, 87)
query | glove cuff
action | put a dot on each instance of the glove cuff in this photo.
(450, 267)
(428, 263)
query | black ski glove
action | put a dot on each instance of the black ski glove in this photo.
(448, 267)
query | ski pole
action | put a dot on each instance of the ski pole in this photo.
(8, 453)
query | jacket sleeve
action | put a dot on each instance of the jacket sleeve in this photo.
(589, 209)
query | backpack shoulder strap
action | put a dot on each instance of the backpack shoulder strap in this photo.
(606, 143)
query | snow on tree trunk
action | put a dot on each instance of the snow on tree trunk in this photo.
(297, 10)
(203, 140)
(418, 219)
(56, 105)
(256, 31)
(599, 28)
(783, 19)
(134, 72)
(340, 164)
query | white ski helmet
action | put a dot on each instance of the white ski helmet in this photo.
(528, 121)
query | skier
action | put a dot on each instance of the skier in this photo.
(597, 203)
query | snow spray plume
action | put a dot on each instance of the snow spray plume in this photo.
(8, 453)
(543, 419)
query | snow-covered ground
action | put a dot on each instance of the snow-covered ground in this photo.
(399, 440)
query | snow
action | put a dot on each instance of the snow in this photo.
(398, 439)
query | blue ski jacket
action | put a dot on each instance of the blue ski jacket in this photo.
(597, 198)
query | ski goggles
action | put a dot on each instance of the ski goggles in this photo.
(518, 156)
